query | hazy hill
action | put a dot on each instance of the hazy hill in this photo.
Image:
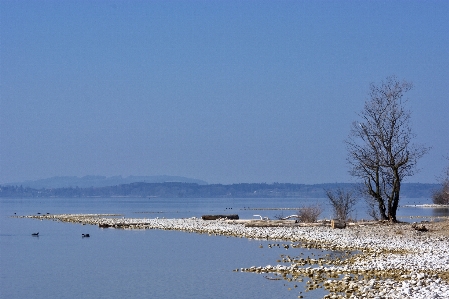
(100, 181)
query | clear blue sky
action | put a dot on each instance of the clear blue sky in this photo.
(223, 91)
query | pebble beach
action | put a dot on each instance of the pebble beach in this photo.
(383, 260)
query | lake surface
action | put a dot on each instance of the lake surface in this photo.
(115, 263)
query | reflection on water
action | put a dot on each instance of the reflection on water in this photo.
(440, 212)
(409, 212)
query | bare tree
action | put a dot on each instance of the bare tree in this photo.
(380, 148)
(441, 196)
(342, 203)
(309, 213)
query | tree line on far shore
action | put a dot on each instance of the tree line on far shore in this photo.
(193, 190)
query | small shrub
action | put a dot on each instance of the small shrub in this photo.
(342, 203)
(441, 197)
(279, 216)
(309, 213)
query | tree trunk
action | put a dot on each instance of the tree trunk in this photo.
(394, 208)
(393, 202)
(382, 209)
(376, 194)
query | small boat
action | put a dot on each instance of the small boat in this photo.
(85, 235)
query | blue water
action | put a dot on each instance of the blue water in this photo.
(115, 263)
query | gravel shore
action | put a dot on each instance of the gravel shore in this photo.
(392, 260)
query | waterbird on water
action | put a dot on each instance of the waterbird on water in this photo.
(35, 234)
(85, 235)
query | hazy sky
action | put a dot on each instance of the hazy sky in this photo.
(223, 91)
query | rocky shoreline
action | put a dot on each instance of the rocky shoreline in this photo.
(391, 260)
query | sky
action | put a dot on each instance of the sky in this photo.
(222, 91)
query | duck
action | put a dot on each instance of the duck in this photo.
(35, 234)
(85, 235)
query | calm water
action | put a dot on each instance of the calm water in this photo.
(151, 264)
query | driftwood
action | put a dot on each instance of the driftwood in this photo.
(239, 221)
(420, 228)
(215, 217)
(270, 223)
(362, 223)
(311, 224)
(288, 217)
(338, 224)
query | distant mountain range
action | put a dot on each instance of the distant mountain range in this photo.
(100, 181)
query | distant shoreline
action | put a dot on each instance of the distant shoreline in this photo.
(193, 190)
(433, 206)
